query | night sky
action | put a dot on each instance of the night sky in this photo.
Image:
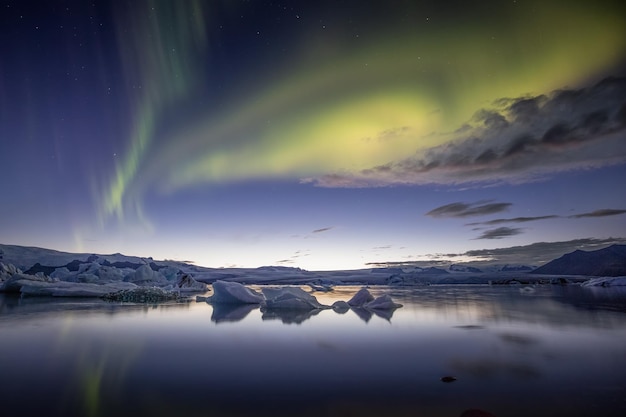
(313, 134)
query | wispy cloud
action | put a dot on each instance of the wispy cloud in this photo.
(516, 140)
(323, 229)
(500, 233)
(599, 213)
(468, 210)
(513, 220)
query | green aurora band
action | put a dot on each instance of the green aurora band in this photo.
(336, 108)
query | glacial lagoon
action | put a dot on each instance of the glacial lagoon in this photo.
(514, 351)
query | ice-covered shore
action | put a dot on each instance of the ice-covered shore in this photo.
(43, 272)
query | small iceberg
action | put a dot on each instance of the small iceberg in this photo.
(321, 285)
(290, 298)
(340, 307)
(384, 302)
(605, 282)
(233, 293)
(361, 298)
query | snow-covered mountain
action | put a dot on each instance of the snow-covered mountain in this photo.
(608, 262)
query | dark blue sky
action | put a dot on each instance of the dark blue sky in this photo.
(322, 135)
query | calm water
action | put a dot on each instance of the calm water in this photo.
(559, 351)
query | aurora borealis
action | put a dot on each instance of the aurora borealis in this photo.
(311, 134)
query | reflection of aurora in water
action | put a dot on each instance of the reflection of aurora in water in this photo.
(175, 359)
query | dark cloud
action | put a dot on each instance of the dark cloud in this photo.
(517, 140)
(500, 233)
(599, 213)
(513, 220)
(541, 252)
(534, 254)
(323, 229)
(468, 210)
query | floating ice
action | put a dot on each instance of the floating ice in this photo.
(233, 293)
(605, 282)
(290, 298)
(384, 302)
(362, 297)
(341, 307)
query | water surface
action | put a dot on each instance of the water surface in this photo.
(547, 351)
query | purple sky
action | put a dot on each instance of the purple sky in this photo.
(321, 135)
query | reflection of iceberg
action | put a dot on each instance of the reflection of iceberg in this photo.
(231, 312)
(366, 314)
(364, 305)
(289, 316)
(233, 293)
(363, 314)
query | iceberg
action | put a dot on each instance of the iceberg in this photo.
(341, 307)
(605, 282)
(225, 292)
(290, 298)
(362, 297)
(232, 313)
(384, 302)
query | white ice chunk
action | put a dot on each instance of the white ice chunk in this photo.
(225, 292)
(290, 298)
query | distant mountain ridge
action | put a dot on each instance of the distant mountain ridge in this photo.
(607, 262)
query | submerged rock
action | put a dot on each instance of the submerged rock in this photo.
(233, 293)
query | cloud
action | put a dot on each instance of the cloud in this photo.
(541, 252)
(500, 232)
(468, 210)
(533, 254)
(323, 229)
(599, 213)
(516, 140)
(513, 220)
